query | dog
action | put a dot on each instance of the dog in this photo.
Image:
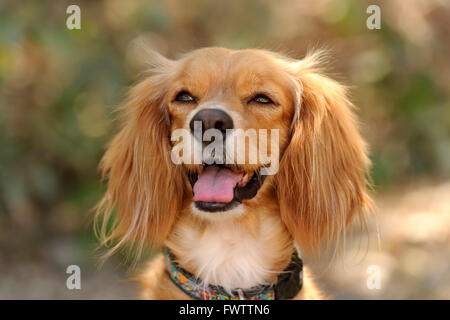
(227, 231)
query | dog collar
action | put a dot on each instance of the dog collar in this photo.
(288, 284)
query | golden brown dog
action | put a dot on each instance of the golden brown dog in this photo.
(224, 223)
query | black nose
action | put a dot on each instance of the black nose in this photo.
(213, 119)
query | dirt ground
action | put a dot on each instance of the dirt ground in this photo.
(413, 255)
(413, 258)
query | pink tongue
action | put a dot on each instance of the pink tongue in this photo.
(216, 184)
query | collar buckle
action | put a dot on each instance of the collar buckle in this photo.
(240, 294)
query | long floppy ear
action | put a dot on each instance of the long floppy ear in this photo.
(144, 185)
(321, 182)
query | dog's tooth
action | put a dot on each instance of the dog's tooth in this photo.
(244, 179)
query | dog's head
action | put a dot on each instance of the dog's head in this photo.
(223, 132)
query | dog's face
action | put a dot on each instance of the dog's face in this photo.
(288, 117)
(249, 100)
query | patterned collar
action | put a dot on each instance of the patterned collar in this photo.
(289, 283)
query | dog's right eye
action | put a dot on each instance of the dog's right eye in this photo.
(185, 97)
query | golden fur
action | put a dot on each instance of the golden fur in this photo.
(320, 184)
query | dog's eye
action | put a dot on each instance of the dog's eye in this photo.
(262, 99)
(184, 97)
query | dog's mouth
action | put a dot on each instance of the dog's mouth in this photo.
(220, 188)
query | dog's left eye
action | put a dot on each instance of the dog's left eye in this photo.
(262, 99)
(184, 97)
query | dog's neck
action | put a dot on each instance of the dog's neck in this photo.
(234, 253)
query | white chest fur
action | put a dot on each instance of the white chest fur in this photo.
(226, 254)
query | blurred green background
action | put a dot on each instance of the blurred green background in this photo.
(59, 87)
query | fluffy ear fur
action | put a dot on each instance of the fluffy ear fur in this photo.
(321, 181)
(143, 183)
